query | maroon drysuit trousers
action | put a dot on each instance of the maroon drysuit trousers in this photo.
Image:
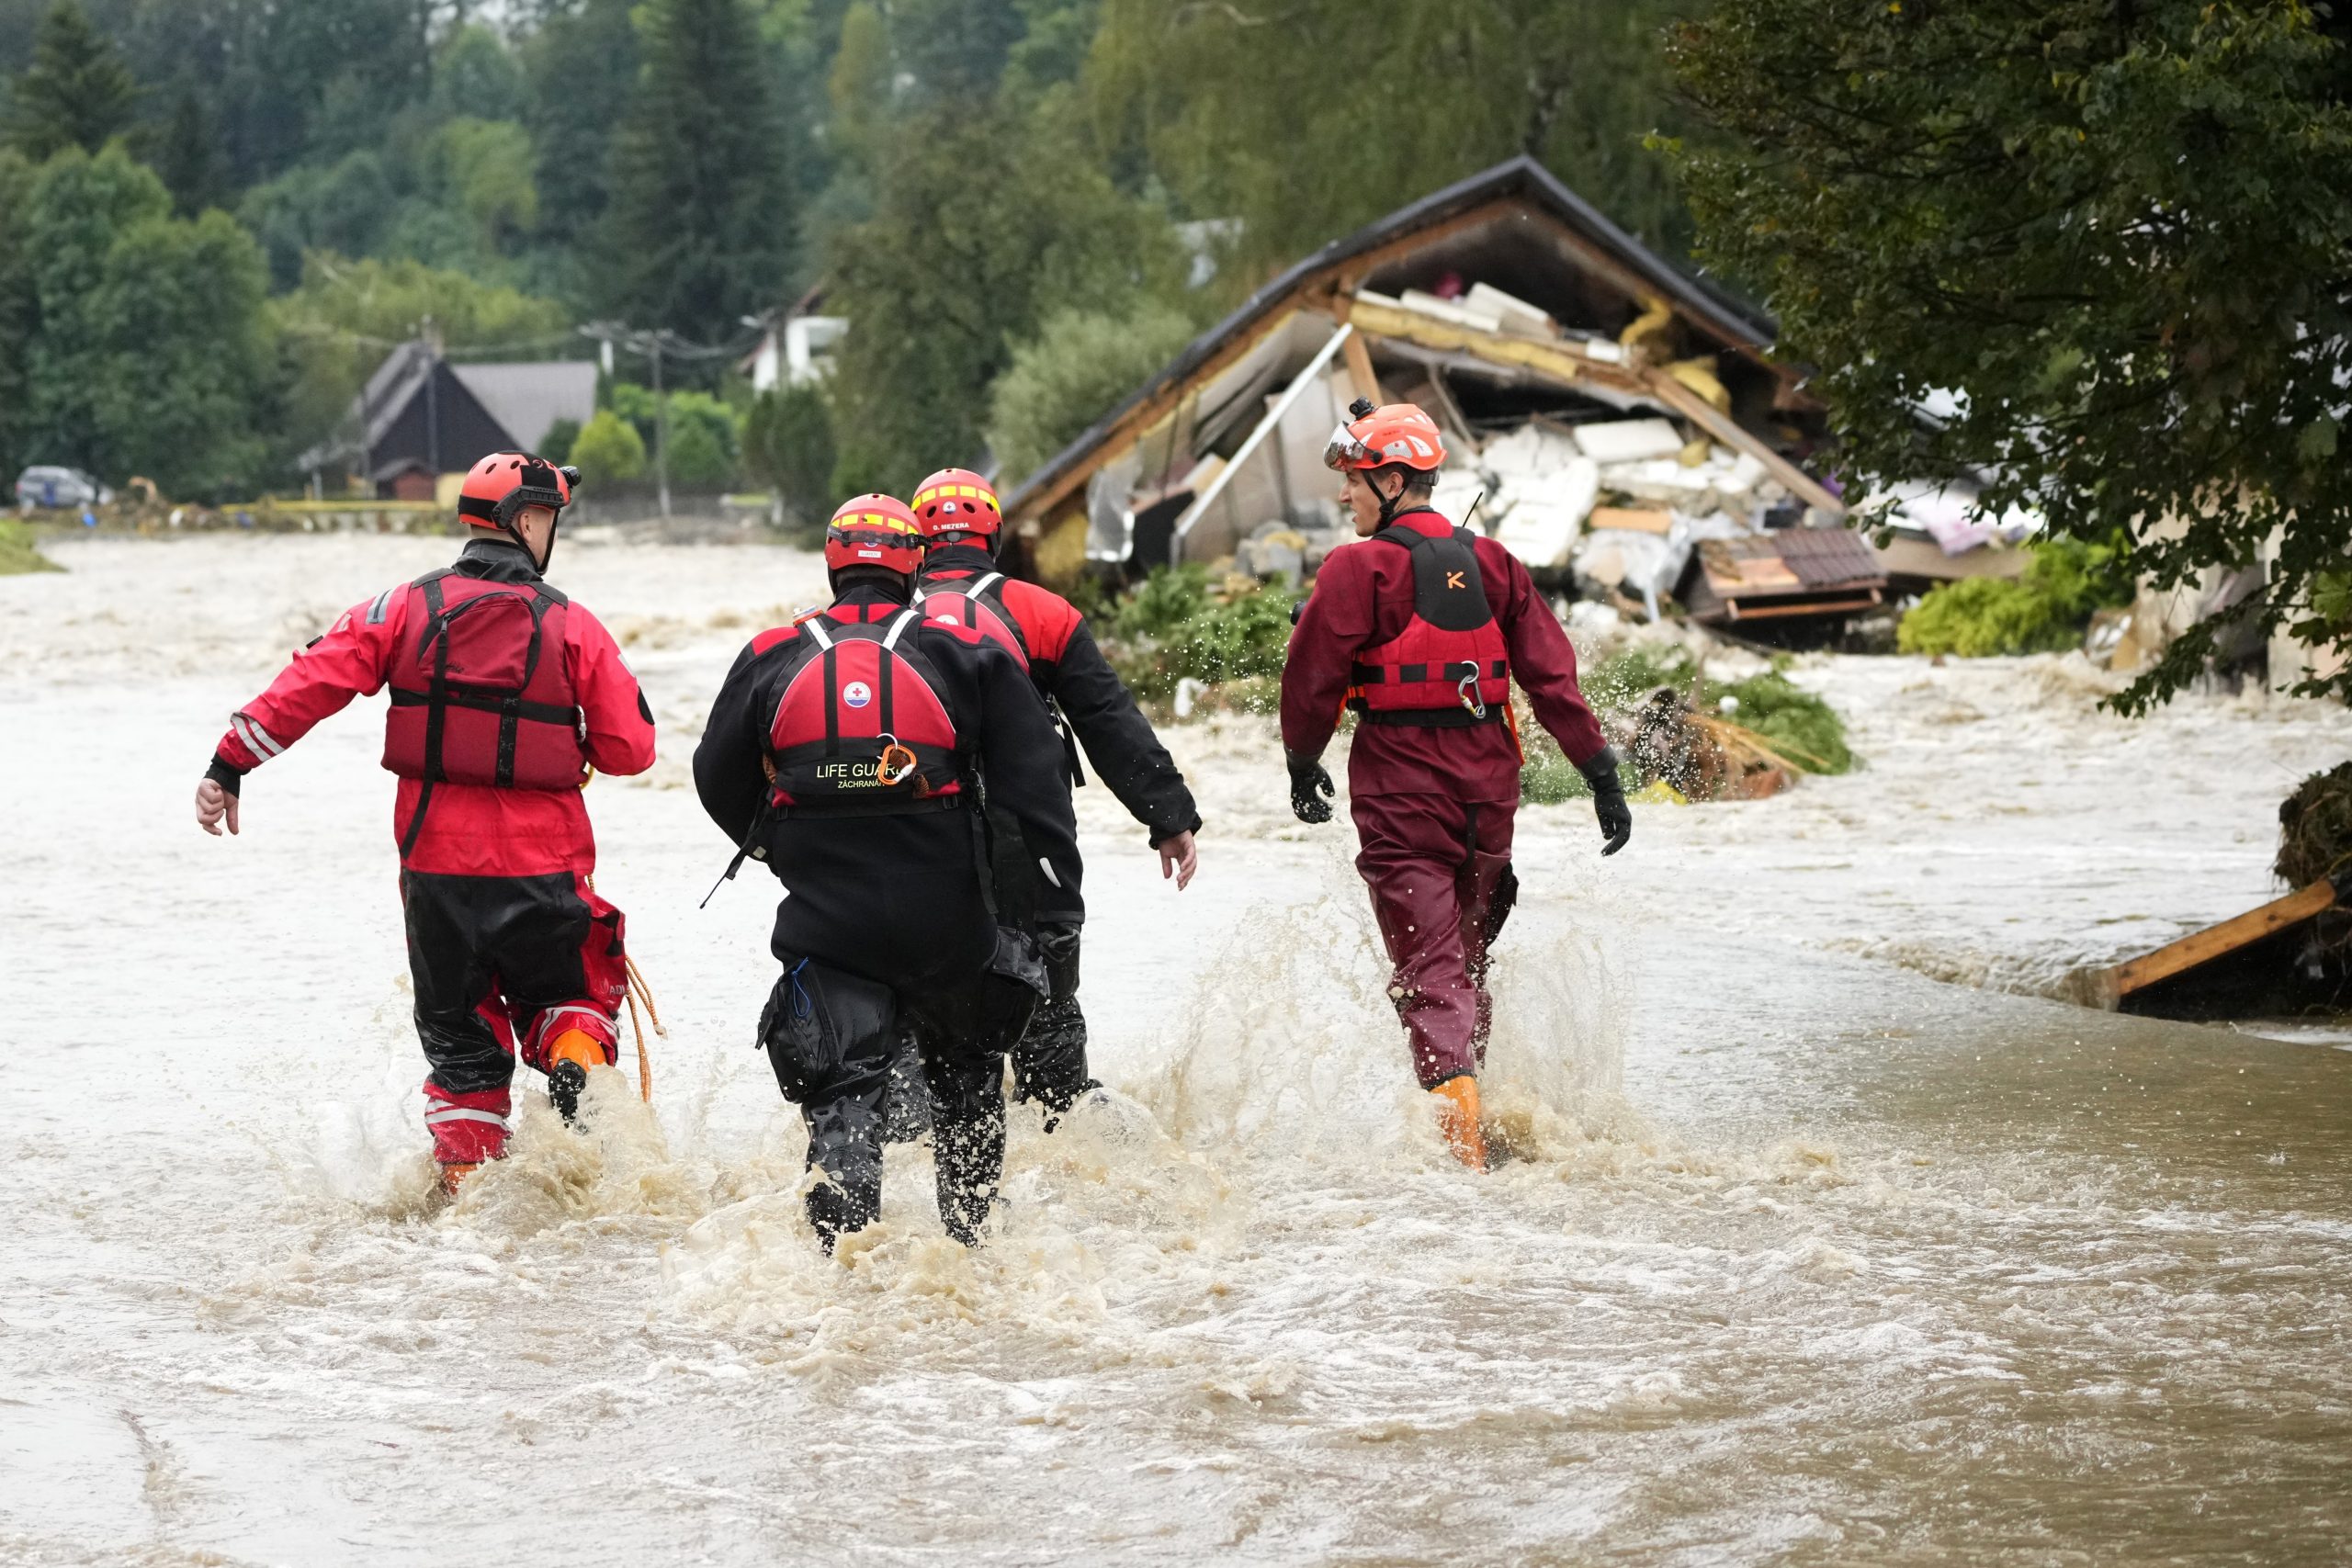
(1439, 870)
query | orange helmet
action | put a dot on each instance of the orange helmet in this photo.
(1375, 437)
(504, 482)
(498, 488)
(958, 501)
(874, 530)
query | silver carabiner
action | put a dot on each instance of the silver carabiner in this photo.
(1467, 689)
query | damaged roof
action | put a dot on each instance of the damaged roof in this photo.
(1520, 187)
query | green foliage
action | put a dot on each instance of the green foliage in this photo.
(144, 337)
(704, 445)
(609, 451)
(1079, 366)
(788, 446)
(1798, 724)
(1175, 626)
(335, 326)
(18, 552)
(557, 443)
(1308, 123)
(2116, 232)
(699, 231)
(483, 169)
(77, 94)
(189, 157)
(984, 222)
(580, 64)
(2043, 611)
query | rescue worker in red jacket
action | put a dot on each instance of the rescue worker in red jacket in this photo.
(505, 697)
(844, 751)
(1419, 628)
(1046, 635)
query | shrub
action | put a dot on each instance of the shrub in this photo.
(609, 450)
(1175, 626)
(557, 443)
(1079, 366)
(788, 446)
(2042, 612)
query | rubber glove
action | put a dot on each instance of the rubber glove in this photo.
(1310, 790)
(1609, 800)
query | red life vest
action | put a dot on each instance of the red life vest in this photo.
(861, 729)
(480, 692)
(976, 605)
(1448, 667)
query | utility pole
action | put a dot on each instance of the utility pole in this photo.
(432, 398)
(660, 425)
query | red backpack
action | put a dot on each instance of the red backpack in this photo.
(861, 729)
(975, 605)
(1448, 667)
(480, 692)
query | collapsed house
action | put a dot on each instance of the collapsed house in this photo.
(1614, 417)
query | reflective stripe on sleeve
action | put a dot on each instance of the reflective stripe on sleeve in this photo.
(1047, 867)
(256, 739)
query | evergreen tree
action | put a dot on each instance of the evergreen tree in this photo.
(579, 65)
(701, 226)
(188, 156)
(983, 223)
(78, 92)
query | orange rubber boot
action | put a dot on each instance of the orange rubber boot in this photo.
(1457, 1118)
(569, 1056)
(452, 1176)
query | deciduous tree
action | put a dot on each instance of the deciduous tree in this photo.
(2106, 248)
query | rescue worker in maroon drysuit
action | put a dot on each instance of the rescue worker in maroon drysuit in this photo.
(505, 697)
(845, 750)
(960, 519)
(1419, 628)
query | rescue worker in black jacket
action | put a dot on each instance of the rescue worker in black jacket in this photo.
(958, 514)
(846, 752)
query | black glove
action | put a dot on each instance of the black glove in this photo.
(1057, 946)
(1609, 800)
(1306, 778)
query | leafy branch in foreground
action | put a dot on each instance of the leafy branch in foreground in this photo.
(2105, 246)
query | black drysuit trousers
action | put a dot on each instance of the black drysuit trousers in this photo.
(1049, 1059)
(837, 1040)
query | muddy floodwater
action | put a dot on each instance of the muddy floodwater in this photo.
(1826, 1238)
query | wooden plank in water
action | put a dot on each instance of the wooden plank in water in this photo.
(2214, 941)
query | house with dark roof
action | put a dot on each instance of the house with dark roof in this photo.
(420, 415)
(1505, 304)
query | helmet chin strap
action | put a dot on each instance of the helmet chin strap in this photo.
(1389, 504)
(513, 531)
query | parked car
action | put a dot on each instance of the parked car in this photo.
(49, 486)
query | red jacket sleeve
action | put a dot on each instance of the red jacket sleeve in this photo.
(1336, 621)
(349, 661)
(1543, 660)
(619, 721)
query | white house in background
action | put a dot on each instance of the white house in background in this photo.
(799, 348)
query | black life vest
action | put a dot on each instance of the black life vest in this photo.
(861, 728)
(1448, 666)
(480, 692)
(976, 604)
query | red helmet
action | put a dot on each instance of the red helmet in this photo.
(504, 482)
(874, 530)
(1396, 433)
(957, 501)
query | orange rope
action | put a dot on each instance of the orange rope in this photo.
(637, 988)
